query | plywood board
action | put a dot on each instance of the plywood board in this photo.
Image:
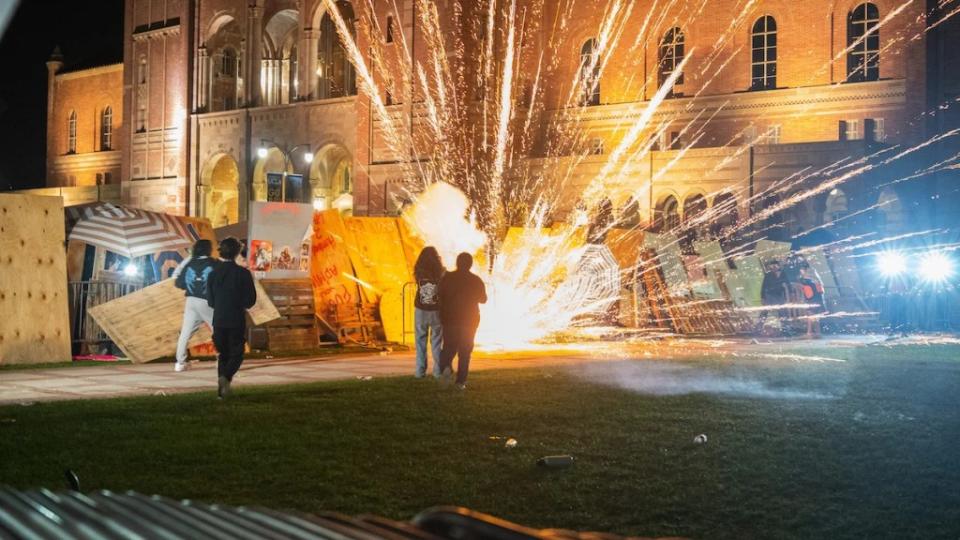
(376, 252)
(146, 324)
(330, 265)
(34, 317)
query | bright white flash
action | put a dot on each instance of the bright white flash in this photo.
(936, 267)
(891, 263)
(131, 270)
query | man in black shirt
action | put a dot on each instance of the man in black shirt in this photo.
(230, 292)
(773, 293)
(461, 293)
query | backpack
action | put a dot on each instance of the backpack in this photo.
(195, 276)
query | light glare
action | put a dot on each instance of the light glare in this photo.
(891, 263)
(936, 267)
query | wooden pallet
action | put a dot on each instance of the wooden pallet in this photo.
(355, 322)
(297, 327)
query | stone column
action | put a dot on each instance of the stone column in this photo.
(252, 95)
(203, 82)
(307, 63)
(54, 64)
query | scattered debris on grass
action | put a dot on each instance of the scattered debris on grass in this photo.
(511, 443)
(555, 462)
(700, 439)
(364, 377)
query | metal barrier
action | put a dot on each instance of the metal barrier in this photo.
(86, 294)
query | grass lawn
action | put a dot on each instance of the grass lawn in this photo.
(867, 448)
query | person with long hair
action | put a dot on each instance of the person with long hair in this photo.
(428, 271)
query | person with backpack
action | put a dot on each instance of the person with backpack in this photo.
(191, 277)
(428, 271)
(812, 289)
(461, 293)
(230, 292)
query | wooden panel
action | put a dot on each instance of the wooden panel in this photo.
(146, 324)
(34, 317)
(296, 328)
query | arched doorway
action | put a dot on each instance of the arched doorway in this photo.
(331, 178)
(221, 182)
(836, 206)
(890, 214)
(273, 163)
(667, 214)
(724, 215)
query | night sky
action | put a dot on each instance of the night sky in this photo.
(89, 33)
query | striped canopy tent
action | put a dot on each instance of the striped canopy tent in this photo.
(130, 232)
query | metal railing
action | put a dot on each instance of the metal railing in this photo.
(84, 331)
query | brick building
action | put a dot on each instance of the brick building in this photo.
(84, 124)
(226, 95)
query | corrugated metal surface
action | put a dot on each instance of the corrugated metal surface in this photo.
(45, 514)
(104, 515)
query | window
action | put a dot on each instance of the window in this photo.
(107, 177)
(763, 59)
(850, 130)
(873, 129)
(669, 56)
(389, 29)
(863, 40)
(142, 117)
(106, 129)
(590, 73)
(72, 133)
(142, 71)
(228, 63)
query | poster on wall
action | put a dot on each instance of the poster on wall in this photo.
(261, 255)
(276, 234)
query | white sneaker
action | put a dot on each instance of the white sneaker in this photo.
(181, 366)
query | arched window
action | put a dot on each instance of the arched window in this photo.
(389, 28)
(863, 40)
(72, 133)
(670, 55)
(667, 215)
(763, 59)
(836, 205)
(336, 76)
(590, 73)
(106, 129)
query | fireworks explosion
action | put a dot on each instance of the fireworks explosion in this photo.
(475, 165)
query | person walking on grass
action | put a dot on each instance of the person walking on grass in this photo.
(192, 276)
(428, 272)
(230, 292)
(461, 293)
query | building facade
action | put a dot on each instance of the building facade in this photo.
(84, 125)
(226, 96)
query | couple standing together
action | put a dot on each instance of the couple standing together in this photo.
(447, 314)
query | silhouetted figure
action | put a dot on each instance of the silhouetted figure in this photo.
(428, 271)
(230, 292)
(461, 293)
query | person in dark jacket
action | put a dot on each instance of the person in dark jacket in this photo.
(191, 277)
(773, 293)
(230, 292)
(461, 293)
(426, 318)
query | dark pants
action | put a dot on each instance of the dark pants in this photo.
(229, 343)
(458, 341)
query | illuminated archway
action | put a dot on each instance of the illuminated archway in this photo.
(221, 183)
(331, 178)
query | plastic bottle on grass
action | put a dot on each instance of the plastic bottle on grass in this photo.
(555, 462)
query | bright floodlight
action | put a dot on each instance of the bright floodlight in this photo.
(308, 157)
(262, 152)
(935, 267)
(319, 204)
(131, 270)
(891, 263)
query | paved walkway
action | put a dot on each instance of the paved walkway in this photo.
(32, 385)
(111, 380)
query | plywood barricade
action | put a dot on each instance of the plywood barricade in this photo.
(34, 318)
(146, 324)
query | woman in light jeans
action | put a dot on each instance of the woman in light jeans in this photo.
(427, 271)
